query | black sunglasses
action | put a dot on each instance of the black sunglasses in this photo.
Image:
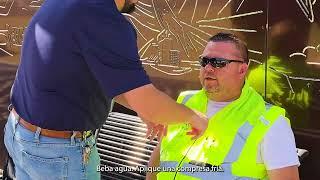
(216, 62)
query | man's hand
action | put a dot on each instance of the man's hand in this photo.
(155, 130)
(199, 124)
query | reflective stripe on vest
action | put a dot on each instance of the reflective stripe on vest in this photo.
(188, 96)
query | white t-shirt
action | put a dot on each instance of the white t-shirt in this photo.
(278, 147)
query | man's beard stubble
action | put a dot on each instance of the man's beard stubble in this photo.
(128, 7)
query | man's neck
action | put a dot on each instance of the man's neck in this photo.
(224, 96)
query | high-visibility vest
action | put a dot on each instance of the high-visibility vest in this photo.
(228, 148)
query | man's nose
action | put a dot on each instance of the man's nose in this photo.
(209, 67)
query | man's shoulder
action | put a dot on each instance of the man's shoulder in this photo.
(184, 96)
(101, 9)
(188, 92)
(278, 145)
(274, 110)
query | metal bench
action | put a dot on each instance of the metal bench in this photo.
(122, 144)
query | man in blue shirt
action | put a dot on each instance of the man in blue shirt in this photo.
(77, 56)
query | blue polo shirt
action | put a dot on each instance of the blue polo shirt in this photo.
(76, 56)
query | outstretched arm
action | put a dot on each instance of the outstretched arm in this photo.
(157, 107)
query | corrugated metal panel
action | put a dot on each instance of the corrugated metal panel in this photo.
(122, 145)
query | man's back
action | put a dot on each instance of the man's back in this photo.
(57, 85)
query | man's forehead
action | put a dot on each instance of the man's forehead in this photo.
(223, 47)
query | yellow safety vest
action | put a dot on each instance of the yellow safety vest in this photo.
(228, 148)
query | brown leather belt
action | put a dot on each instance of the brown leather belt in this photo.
(52, 133)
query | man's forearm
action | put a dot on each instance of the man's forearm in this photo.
(121, 100)
(156, 106)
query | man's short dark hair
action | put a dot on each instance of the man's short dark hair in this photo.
(228, 37)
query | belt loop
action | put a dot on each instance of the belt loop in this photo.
(72, 139)
(10, 107)
(37, 134)
(16, 119)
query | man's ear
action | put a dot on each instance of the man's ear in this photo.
(243, 69)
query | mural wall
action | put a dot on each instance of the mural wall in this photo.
(283, 38)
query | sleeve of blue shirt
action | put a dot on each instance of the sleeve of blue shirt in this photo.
(108, 42)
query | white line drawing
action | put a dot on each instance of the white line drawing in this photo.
(137, 29)
(231, 17)
(230, 29)
(144, 11)
(33, 5)
(194, 10)
(254, 51)
(239, 5)
(314, 63)
(224, 6)
(303, 53)
(152, 29)
(256, 61)
(318, 48)
(297, 54)
(150, 23)
(136, 13)
(36, 4)
(182, 6)
(174, 41)
(308, 47)
(293, 77)
(5, 7)
(6, 52)
(199, 30)
(4, 34)
(208, 9)
(192, 44)
(307, 8)
(144, 4)
(165, 65)
(197, 41)
(149, 42)
(11, 37)
(205, 41)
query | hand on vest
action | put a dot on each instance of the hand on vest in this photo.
(199, 124)
(155, 130)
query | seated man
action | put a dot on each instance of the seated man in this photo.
(246, 138)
